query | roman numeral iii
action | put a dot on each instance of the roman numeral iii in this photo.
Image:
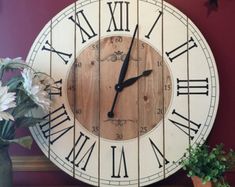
(192, 87)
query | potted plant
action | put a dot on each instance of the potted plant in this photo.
(207, 165)
(22, 90)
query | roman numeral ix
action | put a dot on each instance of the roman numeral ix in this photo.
(55, 89)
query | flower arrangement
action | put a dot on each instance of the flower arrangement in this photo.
(209, 164)
(24, 91)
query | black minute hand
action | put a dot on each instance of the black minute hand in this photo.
(127, 59)
(132, 80)
(122, 73)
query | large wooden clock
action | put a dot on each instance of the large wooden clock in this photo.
(135, 83)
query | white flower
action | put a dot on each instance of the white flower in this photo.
(35, 89)
(7, 100)
(15, 60)
(7, 61)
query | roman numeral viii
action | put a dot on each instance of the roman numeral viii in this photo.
(119, 11)
(54, 129)
(84, 25)
(182, 124)
(158, 154)
(121, 164)
(180, 50)
(81, 153)
(63, 55)
(192, 87)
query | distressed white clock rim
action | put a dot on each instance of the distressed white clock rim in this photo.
(192, 28)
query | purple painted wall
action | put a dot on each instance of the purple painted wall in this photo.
(22, 20)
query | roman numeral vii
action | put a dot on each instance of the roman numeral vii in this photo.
(81, 153)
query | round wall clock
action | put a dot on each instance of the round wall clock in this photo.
(135, 83)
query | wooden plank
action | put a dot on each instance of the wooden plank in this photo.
(32, 163)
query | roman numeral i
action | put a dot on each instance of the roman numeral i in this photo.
(154, 25)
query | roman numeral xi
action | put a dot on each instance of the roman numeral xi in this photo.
(84, 26)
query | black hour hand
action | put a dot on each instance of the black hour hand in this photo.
(129, 82)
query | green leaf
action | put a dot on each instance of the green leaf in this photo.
(14, 83)
(25, 142)
(27, 121)
(23, 108)
(8, 130)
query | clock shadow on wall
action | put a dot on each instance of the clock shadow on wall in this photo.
(179, 177)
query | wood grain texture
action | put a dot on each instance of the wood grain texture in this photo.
(32, 163)
(138, 107)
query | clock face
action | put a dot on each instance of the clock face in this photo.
(135, 83)
(95, 83)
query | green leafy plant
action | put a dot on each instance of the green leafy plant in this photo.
(21, 91)
(209, 164)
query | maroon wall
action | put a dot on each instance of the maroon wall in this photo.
(22, 20)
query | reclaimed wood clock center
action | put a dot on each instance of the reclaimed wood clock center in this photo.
(91, 88)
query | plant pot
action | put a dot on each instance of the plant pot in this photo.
(197, 182)
(6, 177)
